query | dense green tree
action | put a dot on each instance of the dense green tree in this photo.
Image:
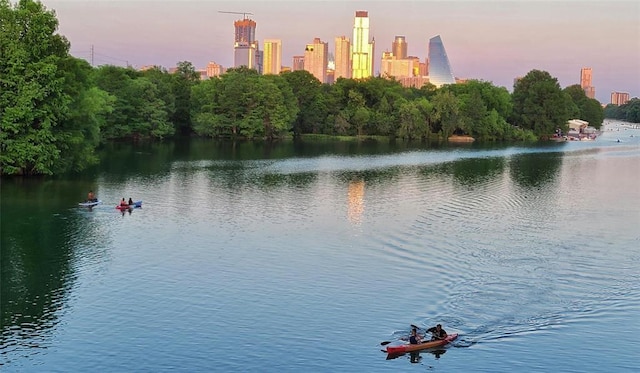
(184, 78)
(612, 111)
(207, 118)
(539, 104)
(473, 113)
(117, 81)
(289, 99)
(79, 133)
(165, 85)
(144, 102)
(446, 110)
(584, 108)
(412, 121)
(150, 114)
(268, 116)
(243, 103)
(32, 97)
(312, 110)
(629, 112)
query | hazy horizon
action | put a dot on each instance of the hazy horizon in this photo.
(494, 41)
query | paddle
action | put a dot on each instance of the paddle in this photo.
(384, 343)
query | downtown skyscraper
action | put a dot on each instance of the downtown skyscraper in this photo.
(399, 48)
(342, 58)
(439, 67)
(586, 82)
(316, 58)
(272, 56)
(361, 48)
(246, 51)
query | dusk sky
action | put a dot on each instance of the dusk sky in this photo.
(494, 41)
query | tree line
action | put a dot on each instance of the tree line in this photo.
(629, 112)
(56, 110)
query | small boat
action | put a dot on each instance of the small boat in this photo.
(136, 204)
(89, 204)
(420, 346)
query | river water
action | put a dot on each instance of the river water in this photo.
(246, 257)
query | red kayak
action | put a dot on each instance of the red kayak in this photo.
(420, 346)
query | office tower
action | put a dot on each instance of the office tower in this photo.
(399, 48)
(214, 69)
(586, 83)
(272, 62)
(424, 67)
(390, 66)
(361, 48)
(316, 58)
(298, 63)
(585, 77)
(619, 98)
(342, 58)
(245, 48)
(439, 67)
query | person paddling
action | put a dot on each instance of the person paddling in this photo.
(130, 201)
(437, 333)
(123, 203)
(91, 197)
(415, 339)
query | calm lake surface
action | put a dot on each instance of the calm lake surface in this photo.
(306, 257)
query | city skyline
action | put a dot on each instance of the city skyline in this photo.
(486, 40)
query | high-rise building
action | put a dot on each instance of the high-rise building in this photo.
(390, 66)
(298, 63)
(586, 82)
(245, 47)
(316, 58)
(214, 69)
(399, 48)
(272, 61)
(424, 67)
(439, 67)
(245, 30)
(342, 58)
(619, 98)
(585, 77)
(361, 48)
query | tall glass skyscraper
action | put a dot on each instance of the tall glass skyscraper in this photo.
(439, 67)
(361, 48)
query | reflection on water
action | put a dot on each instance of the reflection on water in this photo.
(355, 199)
(304, 248)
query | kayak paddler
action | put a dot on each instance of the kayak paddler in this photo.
(437, 333)
(91, 197)
(415, 339)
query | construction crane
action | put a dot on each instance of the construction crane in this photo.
(244, 14)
